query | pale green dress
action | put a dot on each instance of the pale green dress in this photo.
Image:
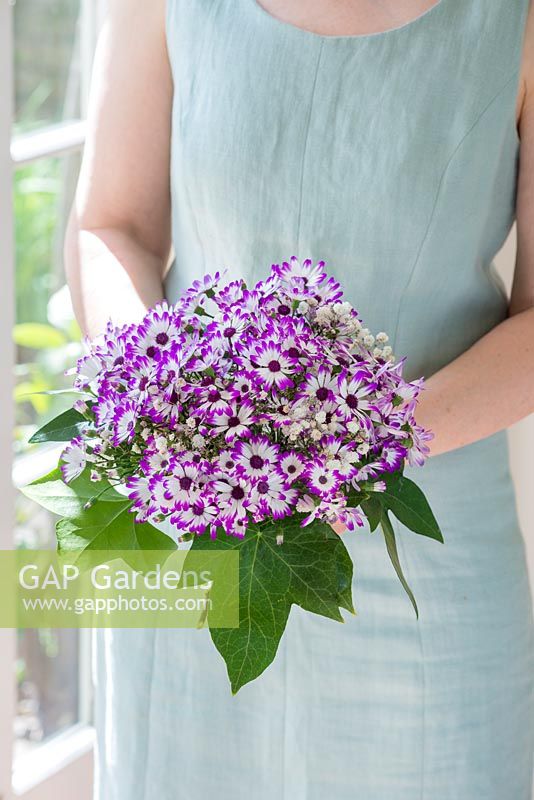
(393, 156)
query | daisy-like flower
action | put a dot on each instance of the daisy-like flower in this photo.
(233, 420)
(88, 369)
(311, 275)
(321, 387)
(419, 451)
(321, 479)
(124, 420)
(233, 496)
(354, 396)
(195, 518)
(139, 492)
(211, 397)
(255, 456)
(74, 459)
(155, 334)
(271, 366)
(291, 465)
(225, 463)
(392, 456)
(207, 283)
(272, 496)
(182, 487)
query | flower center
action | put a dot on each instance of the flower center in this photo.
(162, 338)
(323, 480)
(233, 422)
(291, 469)
(197, 510)
(352, 401)
(229, 332)
(322, 393)
(185, 483)
(274, 366)
(256, 462)
(214, 396)
(262, 487)
(293, 352)
(238, 493)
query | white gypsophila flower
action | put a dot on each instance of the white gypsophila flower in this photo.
(323, 315)
(161, 444)
(198, 441)
(320, 417)
(377, 352)
(303, 307)
(363, 448)
(353, 426)
(387, 351)
(316, 435)
(382, 337)
(342, 309)
(191, 423)
(369, 340)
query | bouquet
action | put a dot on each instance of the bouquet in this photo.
(250, 419)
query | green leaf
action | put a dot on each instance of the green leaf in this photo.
(406, 500)
(109, 525)
(62, 428)
(310, 569)
(68, 499)
(106, 525)
(372, 508)
(391, 545)
(38, 336)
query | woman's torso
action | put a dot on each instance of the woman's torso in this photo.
(393, 156)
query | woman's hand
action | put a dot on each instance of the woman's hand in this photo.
(338, 527)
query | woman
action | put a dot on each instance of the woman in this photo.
(382, 136)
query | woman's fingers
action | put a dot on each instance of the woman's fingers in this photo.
(338, 527)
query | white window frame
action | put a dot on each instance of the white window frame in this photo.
(66, 761)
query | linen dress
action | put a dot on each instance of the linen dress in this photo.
(394, 157)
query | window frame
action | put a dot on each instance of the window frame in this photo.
(65, 760)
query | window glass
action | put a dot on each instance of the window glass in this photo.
(47, 62)
(47, 341)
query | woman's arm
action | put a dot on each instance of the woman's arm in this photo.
(118, 237)
(491, 385)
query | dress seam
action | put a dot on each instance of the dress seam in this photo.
(440, 185)
(305, 146)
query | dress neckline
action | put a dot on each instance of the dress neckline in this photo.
(296, 29)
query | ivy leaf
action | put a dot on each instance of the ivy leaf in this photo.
(109, 525)
(62, 428)
(68, 499)
(391, 545)
(406, 500)
(309, 569)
